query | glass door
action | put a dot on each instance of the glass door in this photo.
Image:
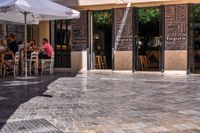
(101, 46)
(148, 47)
(191, 62)
(194, 39)
(62, 44)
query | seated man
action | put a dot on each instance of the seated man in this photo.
(46, 50)
(13, 45)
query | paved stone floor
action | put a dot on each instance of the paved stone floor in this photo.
(105, 102)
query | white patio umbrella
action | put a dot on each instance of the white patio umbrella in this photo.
(33, 11)
(76, 3)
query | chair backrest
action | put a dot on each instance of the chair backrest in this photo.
(17, 57)
(34, 56)
(52, 56)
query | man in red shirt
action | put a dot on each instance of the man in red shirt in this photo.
(47, 50)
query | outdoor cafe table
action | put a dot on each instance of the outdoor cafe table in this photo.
(29, 51)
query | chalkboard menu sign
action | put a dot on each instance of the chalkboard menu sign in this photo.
(79, 33)
(123, 29)
(176, 27)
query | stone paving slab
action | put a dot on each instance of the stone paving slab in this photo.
(98, 102)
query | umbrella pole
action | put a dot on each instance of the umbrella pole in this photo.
(25, 41)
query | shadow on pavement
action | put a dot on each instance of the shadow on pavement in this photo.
(14, 92)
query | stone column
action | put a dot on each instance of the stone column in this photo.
(176, 37)
(123, 38)
(79, 43)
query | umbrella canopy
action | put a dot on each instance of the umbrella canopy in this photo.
(77, 3)
(38, 10)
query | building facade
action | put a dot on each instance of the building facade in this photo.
(127, 42)
(169, 44)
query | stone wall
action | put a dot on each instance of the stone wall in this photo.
(176, 37)
(123, 38)
(79, 43)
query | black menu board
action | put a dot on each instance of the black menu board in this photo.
(176, 27)
(123, 29)
(79, 32)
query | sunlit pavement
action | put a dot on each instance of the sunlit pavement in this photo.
(105, 102)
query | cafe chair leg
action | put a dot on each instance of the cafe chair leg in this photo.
(102, 63)
(42, 67)
(99, 62)
(36, 68)
(14, 71)
(47, 64)
(105, 62)
(30, 67)
(51, 68)
(4, 72)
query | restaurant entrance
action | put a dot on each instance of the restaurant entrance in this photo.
(194, 38)
(101, 46)
(148, 50)
(62, 44)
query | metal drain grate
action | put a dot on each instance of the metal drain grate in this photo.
(29, 126)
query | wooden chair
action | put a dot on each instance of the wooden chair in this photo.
(48, 64)
(23, 62)
(97, 62)
(145, 63)
(15, 64)
(1, 69)
(102, 62)
(142, 59)
(33, 64)
(155, 54)
(105, 62)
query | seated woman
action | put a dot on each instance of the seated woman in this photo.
(3, 46)
(32, 46)
(6, 54)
